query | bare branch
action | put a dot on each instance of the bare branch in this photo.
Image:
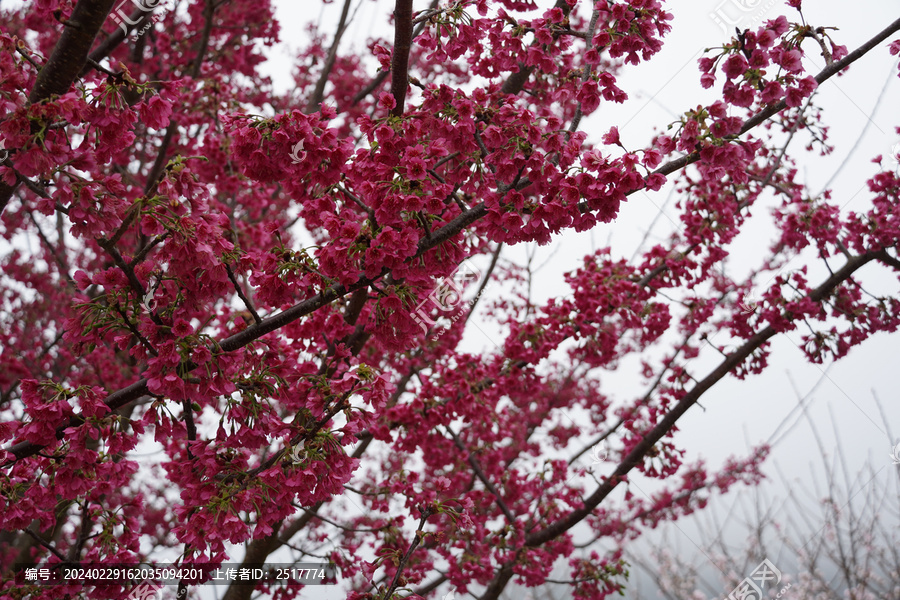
(139, 16)
(319, 92)
(240, 293)
(400, 56)
(476, 466)
(412, 547)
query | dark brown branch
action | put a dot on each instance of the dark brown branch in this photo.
(45, 544)
(400, 56)
(890, 261)
(484, 282)
(159, 164)
(358, 202)
(371, 87)
(379, 79)
(240, 293)
(130, 275)
(479, 472)
(85, 532)
(426, 589)
(515, 83)
(135, 332)
(146, 249)
(760, 117)
(319, 92)
(37, 189)
(412, 547)
(354, 308)
(588, 69)
(139, 17)
(498, 583)
(60, 262)
(208, 12)
(71, 52)
(828, 72)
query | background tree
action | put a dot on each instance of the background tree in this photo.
(837, 540)
(268, 286)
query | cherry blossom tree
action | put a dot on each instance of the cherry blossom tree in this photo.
(268, 286)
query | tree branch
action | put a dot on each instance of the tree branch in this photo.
(762, 115)
(379, 79)
(139, 16)
(557, 528)
(400, 55)
(515, 83)
(690, 398)
(319, 92)
(473, 462)
(427, 512)
(241, 295)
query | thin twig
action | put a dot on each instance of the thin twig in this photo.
(240, 293)
(319, 92)
(427, 512)
(479, 472)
